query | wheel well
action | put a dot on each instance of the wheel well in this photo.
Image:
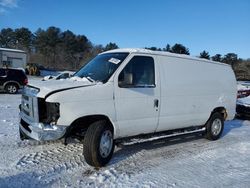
(80, 125)
(222, 111)
(11, 83)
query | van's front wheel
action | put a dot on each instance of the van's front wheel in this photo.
(214, 126)
(98, 145)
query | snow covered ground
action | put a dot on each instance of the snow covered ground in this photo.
(184, 162)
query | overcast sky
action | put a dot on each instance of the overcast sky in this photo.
(218, 26)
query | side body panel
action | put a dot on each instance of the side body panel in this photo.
(191, 89)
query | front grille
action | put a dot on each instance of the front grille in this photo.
(25, 125)
(27, 113)
(27, 105)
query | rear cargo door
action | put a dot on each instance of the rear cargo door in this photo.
(137, 96)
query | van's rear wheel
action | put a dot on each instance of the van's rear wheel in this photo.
(214, 126)
(98, 145)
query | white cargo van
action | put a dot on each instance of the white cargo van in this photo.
(129, 92)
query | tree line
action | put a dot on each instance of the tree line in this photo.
(52, 47)
(59, 49)
(241, 67)
(229, 58)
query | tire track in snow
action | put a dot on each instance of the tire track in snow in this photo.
(16, 144)
(132, 160)
(128, 161)
(136, 159)
(57, 159)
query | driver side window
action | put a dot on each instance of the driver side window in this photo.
(139, 72)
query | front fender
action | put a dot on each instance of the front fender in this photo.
(86, 101)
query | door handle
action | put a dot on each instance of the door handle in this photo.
(156, 103)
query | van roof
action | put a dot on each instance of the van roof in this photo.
(162, 53)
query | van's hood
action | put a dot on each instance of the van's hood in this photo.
(45, 88)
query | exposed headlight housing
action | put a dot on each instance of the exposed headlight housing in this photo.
(48, 112)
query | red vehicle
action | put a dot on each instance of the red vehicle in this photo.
(243, 93)
(243, 89)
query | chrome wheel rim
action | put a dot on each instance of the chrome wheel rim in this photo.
(216, 127)
(106, 143)
(12, 89)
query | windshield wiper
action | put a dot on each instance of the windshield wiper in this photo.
(90, 79)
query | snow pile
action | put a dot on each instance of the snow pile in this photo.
(244, 101)
(76, 78)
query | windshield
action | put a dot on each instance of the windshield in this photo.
(102, 66)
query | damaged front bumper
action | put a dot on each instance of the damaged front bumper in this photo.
(40, 131)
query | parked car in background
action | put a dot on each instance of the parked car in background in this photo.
(62, 75)
(12, 79)
(243, 89)
(243, 107)
(243, 100)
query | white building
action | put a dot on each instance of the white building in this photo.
(13, 58)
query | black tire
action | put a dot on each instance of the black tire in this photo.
(92, 144)
(214, 126)
(11, 88)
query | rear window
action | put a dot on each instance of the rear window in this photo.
(16, 73)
